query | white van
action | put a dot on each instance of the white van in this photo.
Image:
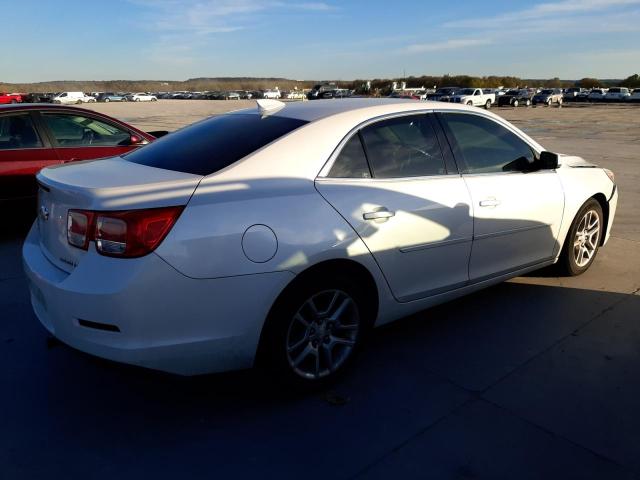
(67, 98)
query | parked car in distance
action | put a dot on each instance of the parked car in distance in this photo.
(272, 94)
(617, 94)
(296, 95)
(634, 96)
(72, 98)
(319, 89)
(474, 97)
(231, 95)
(11, 98)
(548, 96)
(143, 97)
(442, 94)
(516, 97)
(111, 97)
(572, 93)
(597, 94)
(35, 136)
(387, 193)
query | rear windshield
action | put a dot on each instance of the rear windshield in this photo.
(213, 144)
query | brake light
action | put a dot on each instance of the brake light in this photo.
(132, 233)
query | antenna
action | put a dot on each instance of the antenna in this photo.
(267, 107)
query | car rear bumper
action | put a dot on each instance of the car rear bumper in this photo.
(143, 312)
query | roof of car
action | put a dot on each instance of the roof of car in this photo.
(40, 106)
(313, 110)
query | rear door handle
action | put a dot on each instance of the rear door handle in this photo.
(490, 202)
(378, 214)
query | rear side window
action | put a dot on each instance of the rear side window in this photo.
(352, 162)
(213, 144)
(79, 131)
(403, 147)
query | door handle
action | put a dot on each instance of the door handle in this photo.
(490, 202)
(378, 214)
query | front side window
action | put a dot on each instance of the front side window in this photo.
(352, 162)
(403, 147)
(79, 131)
(18, 131)
(486, 146)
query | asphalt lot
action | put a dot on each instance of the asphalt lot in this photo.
(533, 378)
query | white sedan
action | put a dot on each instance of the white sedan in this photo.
(279, 235)
(143, 97)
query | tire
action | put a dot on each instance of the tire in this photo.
(106, 100)
(154, 99)
(549, 103)
(487, 106)
(296, 340)
(515, 103)
(79, 102)
(572, 261)
(137, 100)
(14, 101)
(470, 104)
(527, 103)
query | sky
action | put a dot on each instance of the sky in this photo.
(180, 39)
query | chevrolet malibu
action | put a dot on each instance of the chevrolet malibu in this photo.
(280, 235)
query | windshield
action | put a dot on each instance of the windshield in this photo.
(213, 144)
(546, 92)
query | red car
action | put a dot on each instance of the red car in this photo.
(37, 136)
(11, 98)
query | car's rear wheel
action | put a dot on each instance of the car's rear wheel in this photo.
(315, 330)
(470, 104)
(107, 100)
(515, 103)
(487, 105)
(583, 240)
(528, 103)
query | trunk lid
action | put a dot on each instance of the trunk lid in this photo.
(102, 185)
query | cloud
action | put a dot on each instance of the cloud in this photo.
(454, 44)
(543, 11)
(206, 17)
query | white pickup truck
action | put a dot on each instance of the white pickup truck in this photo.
(474, 96)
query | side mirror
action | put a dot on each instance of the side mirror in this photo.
(135, 139)
(548, 160)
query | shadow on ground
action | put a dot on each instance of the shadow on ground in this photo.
(516, 381)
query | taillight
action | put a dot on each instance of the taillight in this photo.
(131, 233)
(79, 224)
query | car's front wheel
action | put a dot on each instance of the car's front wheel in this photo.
(583, 240)
(315, 330)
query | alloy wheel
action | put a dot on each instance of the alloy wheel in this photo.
(585, 242)
(322, 334)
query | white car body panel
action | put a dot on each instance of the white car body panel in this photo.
(431, 229)
(517, 217)
(257, 224)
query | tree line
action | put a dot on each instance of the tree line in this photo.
(376, 86)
